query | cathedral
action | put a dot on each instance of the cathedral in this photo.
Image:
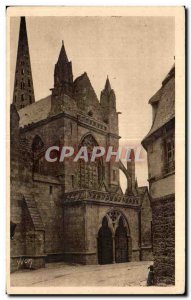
(70, 211)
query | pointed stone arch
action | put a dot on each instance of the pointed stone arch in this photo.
(105, 243)
(119, 227)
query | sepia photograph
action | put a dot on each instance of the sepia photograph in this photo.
(95, 154)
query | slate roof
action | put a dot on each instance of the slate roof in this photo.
(166, 102)
(156, 97)
(35, 112)
(33, 211)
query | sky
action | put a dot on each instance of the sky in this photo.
(135, 52)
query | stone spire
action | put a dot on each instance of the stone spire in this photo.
(107, 85)
(108, 99)
(63, 77)
(23, 88)
(62, 56)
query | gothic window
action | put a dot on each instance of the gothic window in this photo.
(22, 71)
(30, 99)
(72, 179)
(29, 82)
(38, 162)
(22, 97)
(90, 174)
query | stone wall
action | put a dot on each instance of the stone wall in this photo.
(145, 228)
(163, 211)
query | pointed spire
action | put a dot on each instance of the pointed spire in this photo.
(23, 88)
(63, 56)
(107, 85)
(63, 76)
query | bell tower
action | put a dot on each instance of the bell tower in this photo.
(23, 94)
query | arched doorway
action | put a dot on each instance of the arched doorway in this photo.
(105, 244)
(121, 243)
(114, 239)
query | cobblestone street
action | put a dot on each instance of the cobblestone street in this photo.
(62, 274)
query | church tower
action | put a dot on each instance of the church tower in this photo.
(23, 87)
(63, 77)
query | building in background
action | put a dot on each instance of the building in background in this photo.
(70, 211)
(159, 144)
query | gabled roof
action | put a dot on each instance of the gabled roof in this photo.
(35, 112)
(83, 88)
(165, 98)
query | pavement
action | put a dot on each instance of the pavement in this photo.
(67, 275)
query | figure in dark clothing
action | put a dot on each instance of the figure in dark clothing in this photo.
(150, 279)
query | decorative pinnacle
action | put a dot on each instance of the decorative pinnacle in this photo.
(107, 85)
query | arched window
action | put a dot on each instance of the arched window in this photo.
(37, 145)
(90, 174)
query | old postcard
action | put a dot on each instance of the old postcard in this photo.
(95, 150)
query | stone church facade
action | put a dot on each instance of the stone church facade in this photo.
(70, 211)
